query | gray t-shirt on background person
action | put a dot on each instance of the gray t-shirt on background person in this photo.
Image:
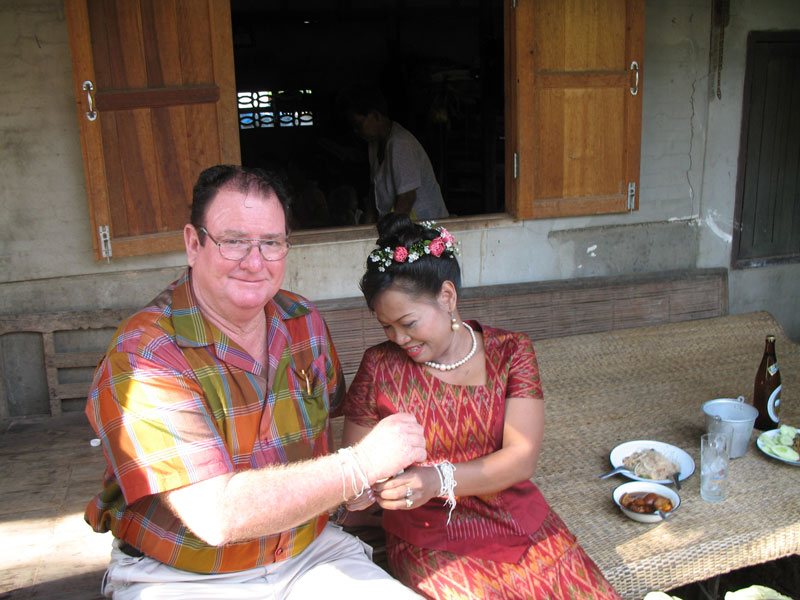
(405, 167)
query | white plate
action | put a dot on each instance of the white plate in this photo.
(772, 433)
(673, 453)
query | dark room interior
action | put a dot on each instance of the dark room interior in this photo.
(438, 63)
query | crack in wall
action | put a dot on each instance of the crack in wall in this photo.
(691, 142)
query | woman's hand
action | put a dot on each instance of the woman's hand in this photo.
(409, 490)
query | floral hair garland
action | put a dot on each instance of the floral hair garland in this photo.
(443, 245)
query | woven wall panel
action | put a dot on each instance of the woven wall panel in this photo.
(542, 310)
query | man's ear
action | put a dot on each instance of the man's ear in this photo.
(192, 242)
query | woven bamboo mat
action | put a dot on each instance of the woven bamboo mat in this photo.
(606, 388)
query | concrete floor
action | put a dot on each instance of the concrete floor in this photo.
(49, 472)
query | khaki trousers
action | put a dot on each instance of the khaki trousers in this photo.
(335, 566)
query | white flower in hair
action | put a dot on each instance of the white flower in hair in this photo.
(444, 245)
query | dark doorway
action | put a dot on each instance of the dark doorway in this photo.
(438, 62)
(767, 225)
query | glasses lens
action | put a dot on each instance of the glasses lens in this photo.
(234, 249)
(274, 250)
(239, 249)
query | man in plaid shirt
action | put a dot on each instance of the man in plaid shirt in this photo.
(213, 405)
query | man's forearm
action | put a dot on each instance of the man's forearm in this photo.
(248, 504)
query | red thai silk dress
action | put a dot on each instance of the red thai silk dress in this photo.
(508, 544)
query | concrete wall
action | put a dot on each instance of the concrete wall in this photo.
(690, 143)
(773, 288)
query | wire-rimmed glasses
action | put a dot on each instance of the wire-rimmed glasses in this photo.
(238, 249)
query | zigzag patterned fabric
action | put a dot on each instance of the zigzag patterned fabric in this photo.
(504, 545)
(555, 567)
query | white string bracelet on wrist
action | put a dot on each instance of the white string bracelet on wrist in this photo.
(447, 481)
(350, 459)
(346, 470)
(344, 485)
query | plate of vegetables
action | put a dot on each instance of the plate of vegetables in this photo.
(782, 444)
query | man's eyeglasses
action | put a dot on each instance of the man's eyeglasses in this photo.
(237, 249)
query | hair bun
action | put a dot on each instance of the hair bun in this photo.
(417, 258)
(397, 229)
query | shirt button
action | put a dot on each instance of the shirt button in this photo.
(280, 551)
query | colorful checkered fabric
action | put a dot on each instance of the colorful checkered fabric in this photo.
(175, 401)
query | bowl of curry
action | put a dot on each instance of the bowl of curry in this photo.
(639, 500)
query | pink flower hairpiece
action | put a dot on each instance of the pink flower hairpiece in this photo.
(443, 245)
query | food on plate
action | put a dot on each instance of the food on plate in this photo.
(645, 502)
(784, 444)
(650, 464)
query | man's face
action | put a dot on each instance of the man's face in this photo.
(234, 290)
(365, 126)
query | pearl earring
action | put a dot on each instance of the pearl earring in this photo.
(454, 323)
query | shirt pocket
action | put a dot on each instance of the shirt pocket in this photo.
(313, 386)
(309, 391)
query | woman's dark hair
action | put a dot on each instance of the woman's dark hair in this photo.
(242, 179)
(423, 277)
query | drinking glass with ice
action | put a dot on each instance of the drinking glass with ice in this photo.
(714, 459)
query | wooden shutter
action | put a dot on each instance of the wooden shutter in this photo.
(573, 120)
(165, 98)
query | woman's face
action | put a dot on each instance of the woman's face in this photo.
(420, 325)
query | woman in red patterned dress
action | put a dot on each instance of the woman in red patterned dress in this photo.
(468, 523)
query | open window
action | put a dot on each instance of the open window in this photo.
(438, 63)
(571, 77)
(532, 110)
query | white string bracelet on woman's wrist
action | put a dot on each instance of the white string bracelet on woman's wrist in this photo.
(447, 481)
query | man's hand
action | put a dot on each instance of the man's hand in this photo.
(396, 442)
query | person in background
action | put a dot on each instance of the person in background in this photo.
(212, 405)
(402, 177)
(467, 522)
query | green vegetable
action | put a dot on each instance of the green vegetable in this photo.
(780, 443)
(785, 452)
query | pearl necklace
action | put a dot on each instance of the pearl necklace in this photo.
(458, 363)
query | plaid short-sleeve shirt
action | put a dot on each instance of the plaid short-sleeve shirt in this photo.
(175, 401)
